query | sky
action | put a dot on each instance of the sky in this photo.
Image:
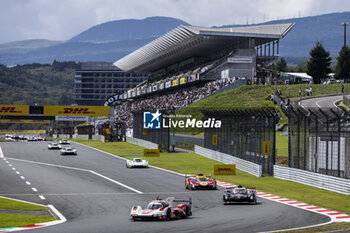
(63, 19)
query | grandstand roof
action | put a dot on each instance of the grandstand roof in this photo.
(189, 41)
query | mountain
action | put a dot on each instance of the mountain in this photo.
(113, 40)
(104, 42)
(308, 30)
(129, 29)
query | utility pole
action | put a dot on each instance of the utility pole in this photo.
(345, 24)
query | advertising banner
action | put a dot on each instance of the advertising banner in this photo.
(224, 169)
(25, 121)
(71, 118)
(56, 110)
(151, 152)
(19, 110)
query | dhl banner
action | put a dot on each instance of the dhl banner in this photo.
(182, 80)
(55, 110)
(21, 110)
(24, 121)
(224, 169)
(151, 152)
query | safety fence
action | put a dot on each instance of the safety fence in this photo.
(317, 180)
(245, 134)
(241, 164)
(319, 140)
(142, 143)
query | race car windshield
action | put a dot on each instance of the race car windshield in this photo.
(240, 191)
(202, 179)
(154, 206)
(138, 160)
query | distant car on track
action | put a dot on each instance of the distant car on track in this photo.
(54, 146)
(136, 162)
(64, 142)
(68, 151)
(199, 181)
(8, 137)
(32, 139)
(159, 209)
(239, 194)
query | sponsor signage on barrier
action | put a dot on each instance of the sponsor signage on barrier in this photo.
(266, 148)
(183, 80)
(25, 121)
(71, 118)
(174, 83)
(215, 139)
(168, 84)
(20, 110)
(151, 152)
(53, 110)
(224, 169)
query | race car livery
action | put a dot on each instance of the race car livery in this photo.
(136, 162)
(199, 181)
(159, 209)
(54, 146)
(64, 141)
(239, 194)
(68, 151)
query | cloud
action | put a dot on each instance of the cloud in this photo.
(63, 19)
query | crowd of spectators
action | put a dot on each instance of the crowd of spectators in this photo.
(170, 102)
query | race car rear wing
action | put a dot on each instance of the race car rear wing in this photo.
(188, 201)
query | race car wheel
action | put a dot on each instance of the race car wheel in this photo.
(188, 211)
(168, 215)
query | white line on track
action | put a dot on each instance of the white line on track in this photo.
(22, 177)
(28, 183)
(317, 103)
(1, 154)
(17, 172)
(14, 169)
(80, 169)
(34, 189)
(10, 164)
(42, 197)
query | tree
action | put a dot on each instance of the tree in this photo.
(343, 65)
(318, 67)
(282, 65)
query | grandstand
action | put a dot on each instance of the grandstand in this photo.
(189, 63)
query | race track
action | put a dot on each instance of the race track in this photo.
(95, 192)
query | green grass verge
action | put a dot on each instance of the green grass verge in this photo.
(18, 220)
(254, 97)
(326, 228)
(191, 163)
(281, 144)
(17, 205)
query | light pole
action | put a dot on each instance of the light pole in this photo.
(345, 24)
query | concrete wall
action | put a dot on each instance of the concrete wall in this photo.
(317, 180)
(243, 165)
(142, 143)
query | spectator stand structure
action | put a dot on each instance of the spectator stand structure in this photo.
(190, 63)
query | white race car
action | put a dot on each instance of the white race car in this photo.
(136, 162)
(68, 151)
(54, 146)
(64, 141)
(159, 209)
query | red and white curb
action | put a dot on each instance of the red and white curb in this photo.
(62, 219)
(335, 216)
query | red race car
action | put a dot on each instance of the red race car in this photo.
(199, 181)
(159, 209)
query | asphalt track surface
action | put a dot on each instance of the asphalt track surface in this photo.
(321, 102)
(93, 204)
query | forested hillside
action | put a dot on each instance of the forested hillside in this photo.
(38, 83)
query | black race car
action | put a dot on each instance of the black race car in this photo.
(239, 194)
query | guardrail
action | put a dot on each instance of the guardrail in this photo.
(317, 180)
(241, 164)
(141, 142)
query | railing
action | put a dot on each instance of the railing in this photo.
(142, 143)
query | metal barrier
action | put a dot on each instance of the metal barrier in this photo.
(142, 143)
(243, 165)
(243, 134)
(321, 181)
